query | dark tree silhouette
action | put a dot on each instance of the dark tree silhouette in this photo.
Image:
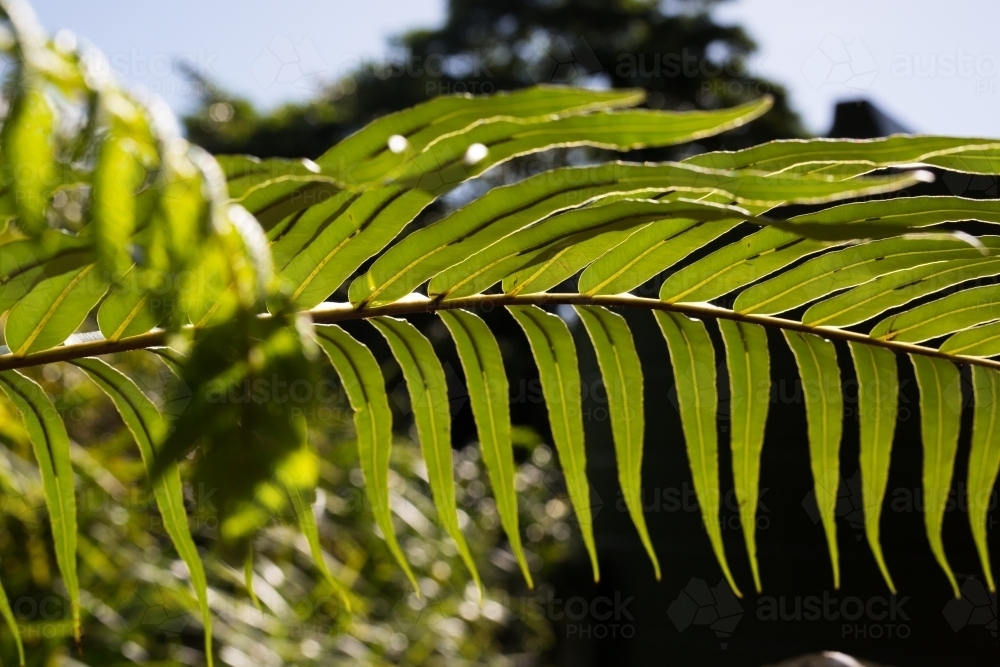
(674, 50)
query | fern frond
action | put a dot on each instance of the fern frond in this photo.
(233, 259)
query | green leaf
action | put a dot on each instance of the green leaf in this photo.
(248, 578)
(276, 188)
(8, 616)
(51, 446)
(977, 159)
(117, 175)
(446, 163)
(380, 214)
(377, 216)
(54, 308)
(506, 209)
(984, 459)
(693, 359)
(272, 202)
(133, 307)
(205, 290)
(896, 289)
(878, 398)
(148, 427)
(362, 380)
(246, 174)
(623, 380)
(647, 252)
(489, 396)
(817, 362)
(25, 262)
(565, 257)
(941, 317)
(428, 391)
(940, 422)
(544, 244)
(180, 219)
(555, 355)
(849, 267)
(307, 524)
(348, 241)
(749, 364)
(979, 156)
(737, 265)
(890, 217)
(303, 226)
(367, 155)
(982, 341)
(29, 163)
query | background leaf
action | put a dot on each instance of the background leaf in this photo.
(555, 355)
(147, 426)
(940, 421)
(817, 362)
(428, 391)
(749, 364)
(362, 380)
(489, 396)
(878, 399)
(623, 380)
(984, 459)
(51, 446)
(693, 359)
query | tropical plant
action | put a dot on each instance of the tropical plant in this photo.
(222, 267)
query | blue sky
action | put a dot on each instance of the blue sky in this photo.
(935, 66)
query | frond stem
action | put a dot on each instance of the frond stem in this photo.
(90, 345)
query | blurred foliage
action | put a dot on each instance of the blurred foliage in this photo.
(137, 600)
